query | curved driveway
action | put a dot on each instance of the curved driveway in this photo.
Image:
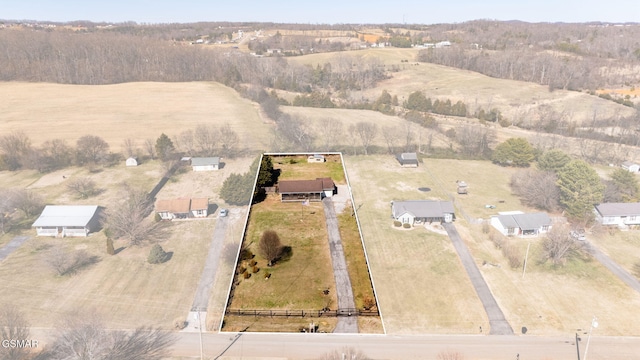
(497, 321)
(616, 269)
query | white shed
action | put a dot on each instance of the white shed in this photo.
(132, 161)
(205, 163)
(631, 167)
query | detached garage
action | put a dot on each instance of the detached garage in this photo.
(67, 220)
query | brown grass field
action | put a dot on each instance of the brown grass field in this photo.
(137, 111)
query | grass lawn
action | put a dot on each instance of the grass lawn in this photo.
(622, 246)
(297, 168)
(124, 289)
(420, 282)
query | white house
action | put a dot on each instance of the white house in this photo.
(422, 211)
(132, 161)
(620, 214)
(205, 163)
(517, 223)
(199, 207)
(316, 158)
(67, 220)
(182, 208)
(408, 159)
(630, 166)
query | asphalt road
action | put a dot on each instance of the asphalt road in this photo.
(497, 321)
(11, 246)
(346, 324)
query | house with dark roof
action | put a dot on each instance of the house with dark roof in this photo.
(408, 159)
(517, 223)
(620, 214)
(306, 190)
(422, 211)
(205, 163)
(182, 208)
(67, 220)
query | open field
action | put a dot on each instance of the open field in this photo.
(137, 111)
(420, 282)
(303, 170)
(621, 246)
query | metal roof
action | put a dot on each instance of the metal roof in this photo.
(66, 215)
(531, 221)
(205, 161)
(422, 208)
(300, 186)
(619, 209)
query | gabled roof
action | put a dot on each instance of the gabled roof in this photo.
(300, 186)
(422, 208)
(66, 215)
(327, 183)
(175, 206)
(316, 156)
(199, 204)
(409, 156)
(619, 209)
(531, 221)
(205, 161)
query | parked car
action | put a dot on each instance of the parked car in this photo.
(578, 235)
(223, 212)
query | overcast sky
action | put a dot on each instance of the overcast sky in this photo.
(321, 11)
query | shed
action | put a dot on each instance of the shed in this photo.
(131, 161)
(517, 223)
(408, 159)
(316, 158)
(205, 163)
(67, 220)
(631, 166)
(422, 211)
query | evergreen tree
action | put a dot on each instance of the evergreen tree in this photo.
(164, 147)
(110, 249)
(553, 160)
(626, 184)
(514, 152)
(580, 189)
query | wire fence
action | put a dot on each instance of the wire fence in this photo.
(302, 313)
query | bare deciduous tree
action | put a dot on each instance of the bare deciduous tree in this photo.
(150, 148)
(15, 148)
(13, 326)
(63, 262)
(84, 187)
(558, 244)
(391, 138)
(91, 149)
(331, 131)
(366, 132)
(537, 188)
(129, 147)
(27, 201)
(128, 219)
(206, 139)
(270, 246)
(229, 141)
(345, 353)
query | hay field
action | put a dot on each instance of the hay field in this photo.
(420, 282)
(137, 111)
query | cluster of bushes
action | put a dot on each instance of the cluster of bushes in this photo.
(501, 242)
(622, 101)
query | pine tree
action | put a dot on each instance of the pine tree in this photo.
(110, 249)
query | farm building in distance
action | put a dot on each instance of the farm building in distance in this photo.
(67, 220)
(408, 159)
(303, 190)
(631, 166)
(205, 163)
(131, 161)
(619, 214)
(517, 223)
(182, 208)
(422, 211)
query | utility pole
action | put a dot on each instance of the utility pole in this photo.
(594, 324)
(526, 256)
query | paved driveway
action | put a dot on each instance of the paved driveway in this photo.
(616, 269)
(11, 246)
(346, 324)
(497, 321)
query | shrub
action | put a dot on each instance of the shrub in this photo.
(179, 324)
(511, 253)
(406, 225)
(486, 227)
(246, 275)
(157, 255)
(110, 249)
(255, 269)
(368, 303)
(397, 223)
(252, 263)
(267, 274)
(157, 218)
(242, 270)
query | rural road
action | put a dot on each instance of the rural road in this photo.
(616, 269)
(11, 246)
(203, 291)
(497, 321)
(346, 324)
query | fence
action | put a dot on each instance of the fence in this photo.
(302, 313)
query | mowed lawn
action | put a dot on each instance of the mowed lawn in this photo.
(137, 111)
(419, 280)
(123, 289)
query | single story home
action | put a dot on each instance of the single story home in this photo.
(67, 220)
(517, 223)
(131, 161)
(316, 158)
(631, 167)
(182, 208)
(620, 214)
(408, 159)
(303, 190)
(422, 211)
(205, 163)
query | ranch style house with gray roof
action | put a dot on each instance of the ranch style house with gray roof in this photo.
(620, 214)
(422, 211)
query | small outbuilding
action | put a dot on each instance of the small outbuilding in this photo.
(131, 161)
(205, 163)
(408, 159)
(67, 220)
(316, 158)
(517, 223)
(631, 166)
(422, 211)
